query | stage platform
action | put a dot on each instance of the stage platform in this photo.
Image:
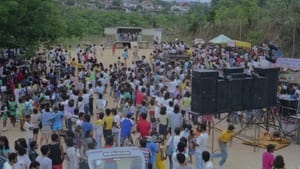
(266, 139)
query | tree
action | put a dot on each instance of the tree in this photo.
(28, 23)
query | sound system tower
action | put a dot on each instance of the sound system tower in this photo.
(234, 91)
(204, 91)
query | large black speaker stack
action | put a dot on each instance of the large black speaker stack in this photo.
(234, 90)
(271, 84)
(204, 91)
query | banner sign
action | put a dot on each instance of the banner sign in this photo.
(288, 63)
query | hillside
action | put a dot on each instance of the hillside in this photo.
(255, 21)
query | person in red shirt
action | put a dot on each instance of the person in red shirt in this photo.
(139, 97)
(114, 47)
(143, 126)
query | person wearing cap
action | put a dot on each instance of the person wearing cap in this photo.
(224, 138)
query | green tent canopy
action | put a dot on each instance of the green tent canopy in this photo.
(221, 39)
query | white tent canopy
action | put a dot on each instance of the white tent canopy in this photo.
(221, 39)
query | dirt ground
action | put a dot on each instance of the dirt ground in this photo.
(240, 156)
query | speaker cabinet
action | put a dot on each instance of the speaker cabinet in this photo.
(259, 92)
(223, 93)
(247, 93)
(204, 91)
(233, 70)
(272, 76)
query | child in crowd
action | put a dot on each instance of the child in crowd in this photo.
(268, 157)
(206, 159)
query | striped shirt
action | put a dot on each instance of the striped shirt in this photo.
(147, 154)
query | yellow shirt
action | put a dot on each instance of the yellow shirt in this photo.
(73, 63)
(99, 122)
(108, 121)
(79, 66)
(226, 136)
(160, 164)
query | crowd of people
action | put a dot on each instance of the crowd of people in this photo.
(129, 36)
(52, 98)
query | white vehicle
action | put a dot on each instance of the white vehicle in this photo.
(116, 158)
(198, 41)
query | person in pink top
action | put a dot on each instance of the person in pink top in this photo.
(268, 157)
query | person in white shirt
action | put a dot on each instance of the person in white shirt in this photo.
(28, 128)
(23, 160)
(116, 127)
(86, 97)
(101, 103)
(80, 119)
(12, 160)
(181, 149)
(80, 104)
(207, 164)
(176, 140)
(72, 155)
(44, 160)
(201, 145)
(182, 162)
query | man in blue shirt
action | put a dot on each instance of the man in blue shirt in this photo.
(126, 126)
(153, 147)
(86, 124)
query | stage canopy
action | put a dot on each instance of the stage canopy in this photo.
(221, 39)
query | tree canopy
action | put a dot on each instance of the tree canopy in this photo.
(28, 23)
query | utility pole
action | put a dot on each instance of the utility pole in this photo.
(240, 30)
(294, 39)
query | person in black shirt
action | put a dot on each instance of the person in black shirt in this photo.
(56, 152)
